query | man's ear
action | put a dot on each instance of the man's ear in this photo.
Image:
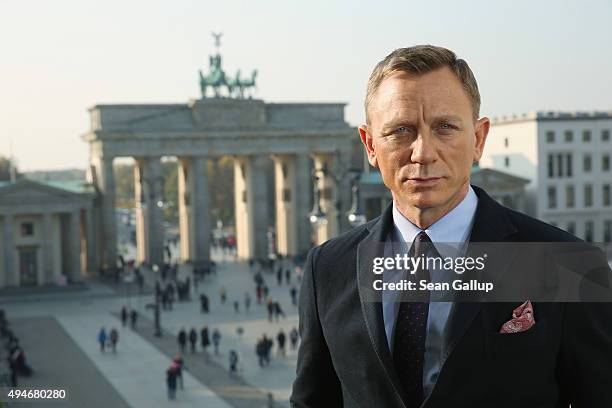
(368, 144)
(480, 132)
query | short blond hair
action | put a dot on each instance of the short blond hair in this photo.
(419, 60)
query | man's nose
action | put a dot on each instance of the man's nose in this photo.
(423, 149)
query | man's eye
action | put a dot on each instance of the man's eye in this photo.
(446, 126)
(402, 129)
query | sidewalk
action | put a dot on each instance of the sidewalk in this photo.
(137, 371)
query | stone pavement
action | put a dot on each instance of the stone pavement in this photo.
(137, 371)
(58, 363)
(236, 278)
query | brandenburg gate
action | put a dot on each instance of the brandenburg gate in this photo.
(250, 131)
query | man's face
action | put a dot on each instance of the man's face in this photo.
(423, 137)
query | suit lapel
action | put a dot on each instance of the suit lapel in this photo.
(491, 224)
(373, 245)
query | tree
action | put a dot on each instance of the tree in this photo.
(5, 169)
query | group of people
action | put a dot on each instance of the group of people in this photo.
(15, 355)
(108, 339)
(205, 339)
(264, 345)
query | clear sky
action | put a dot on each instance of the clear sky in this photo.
(57, 58)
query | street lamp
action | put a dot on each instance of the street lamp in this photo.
(355, 216)
(155, 306)
(317, 216)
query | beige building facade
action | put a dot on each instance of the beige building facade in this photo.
(45, 233)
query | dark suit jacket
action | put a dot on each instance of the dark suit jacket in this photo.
(344, 360)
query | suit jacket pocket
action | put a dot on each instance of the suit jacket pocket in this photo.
(528, 341)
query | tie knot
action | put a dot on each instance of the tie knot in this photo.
(422, 243)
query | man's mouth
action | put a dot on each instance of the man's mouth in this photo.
(423, 181)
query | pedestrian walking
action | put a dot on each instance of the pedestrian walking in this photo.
(288, 276)
(222, 294)
(293, 338)
(102, 337)
(260, 351)
(203, 303)
(179, 365)
(204, 339)
(216, 338)
(182, 340)
(171, 382)
(278, 311)
(267, 348)
(193, 339)
(114, 338)
(270, 309)
(293, 292)
(279, 276)
(280, 339)
(236, 306)
(134, 318)
(124, 316)
(233, 362)
(247, 301)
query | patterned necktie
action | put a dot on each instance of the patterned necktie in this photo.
(410, 332)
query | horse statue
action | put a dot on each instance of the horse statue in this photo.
(215, 79)
(233, 84)
(248, 83)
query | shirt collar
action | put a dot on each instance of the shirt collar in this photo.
(454, 227)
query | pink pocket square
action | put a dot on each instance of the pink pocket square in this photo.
(522, 319)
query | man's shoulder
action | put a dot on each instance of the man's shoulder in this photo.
(345, 243)
(530, 229)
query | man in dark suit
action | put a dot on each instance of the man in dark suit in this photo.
(423, 133)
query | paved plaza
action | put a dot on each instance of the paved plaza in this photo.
(59, 333)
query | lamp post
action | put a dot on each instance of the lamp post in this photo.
(355, 216)
(155, 306)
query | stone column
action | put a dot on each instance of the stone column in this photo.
(148, 187)
(293, 185)
(74, 246)
(46, 273)
(8, 243)
(194, 217)
(106, 185)
(328, 197)
(92, 261)
(251, 203)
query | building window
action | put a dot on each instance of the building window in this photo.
(551, 166)
(568, 159)
(588, 231)
(560, 165)
(607, 231)
(552, 197)
(587, 163)
(506, 142)
(27, 229)
(569, 136)
(588, 195)
(606, 195)
(605, 162)
(605, 135)
(586, 136)
(507, 161)
(571, 227)
(550, 137)
(570, 196)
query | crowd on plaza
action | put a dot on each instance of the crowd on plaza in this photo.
(170, 288)
(15, 357)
